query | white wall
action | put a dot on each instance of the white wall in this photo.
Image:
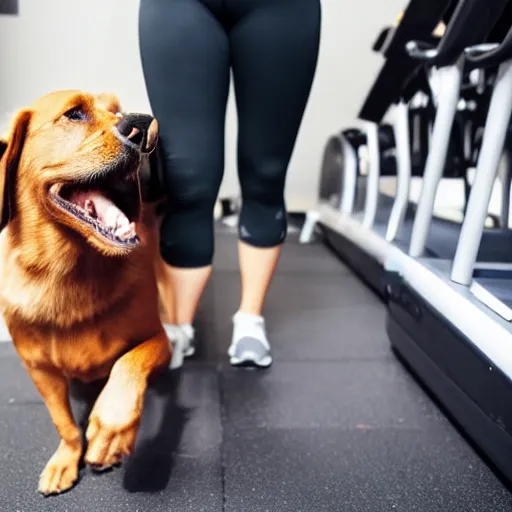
(93, 45)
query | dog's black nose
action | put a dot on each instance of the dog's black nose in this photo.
(138, 129)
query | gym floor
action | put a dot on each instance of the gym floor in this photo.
(337, 423)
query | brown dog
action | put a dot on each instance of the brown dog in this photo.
(78, 264)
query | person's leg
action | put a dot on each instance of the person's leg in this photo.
(274, 47)
(185, 58)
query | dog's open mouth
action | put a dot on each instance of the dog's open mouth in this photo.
(110, 212)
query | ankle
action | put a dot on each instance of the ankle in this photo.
(188, 330)
(172, 330)
(250, 310)
(247, 324)
(182, 328)
(244, 316)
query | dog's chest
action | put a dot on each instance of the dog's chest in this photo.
(85, 355)
(51, 298)
(87, 358)
(44, 301)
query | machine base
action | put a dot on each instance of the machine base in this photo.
(364, 265)
(473, 392)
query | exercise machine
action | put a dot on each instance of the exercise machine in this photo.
(451, 320)
(388, 228)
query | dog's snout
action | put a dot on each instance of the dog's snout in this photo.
(129, 131)
(139, 129)
(124, 127)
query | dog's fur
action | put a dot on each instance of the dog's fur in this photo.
(76, 306)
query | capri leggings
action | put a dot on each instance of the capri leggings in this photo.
(188, 49)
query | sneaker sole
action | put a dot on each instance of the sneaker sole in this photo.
(248, 360)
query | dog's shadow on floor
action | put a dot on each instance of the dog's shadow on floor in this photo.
(150, 467)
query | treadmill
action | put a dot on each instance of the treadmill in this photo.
(450, 320)
(397, 225)
(344, 189)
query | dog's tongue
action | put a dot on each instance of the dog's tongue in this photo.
(102, 208)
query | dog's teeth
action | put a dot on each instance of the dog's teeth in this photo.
(114, 225)
(126, 231)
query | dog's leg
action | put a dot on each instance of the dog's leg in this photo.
(61, 471)
(115, 417)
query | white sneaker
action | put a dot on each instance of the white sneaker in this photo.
(249, 345)
(182, 339)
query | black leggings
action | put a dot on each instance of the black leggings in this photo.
(188, 48)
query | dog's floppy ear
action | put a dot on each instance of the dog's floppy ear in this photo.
(10, 154)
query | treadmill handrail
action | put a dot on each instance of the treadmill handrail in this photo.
(420, 16)
(490, 54)
(419, 20)
(421, 50)
(470, 25)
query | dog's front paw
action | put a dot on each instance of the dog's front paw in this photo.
(112, 429)
(61, 471)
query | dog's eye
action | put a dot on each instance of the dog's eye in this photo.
(76, 114)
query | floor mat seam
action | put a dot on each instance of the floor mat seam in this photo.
(222, 414)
